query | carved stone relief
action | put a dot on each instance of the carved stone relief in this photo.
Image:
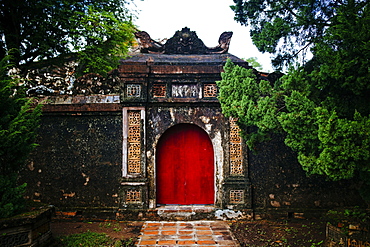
(184, 91)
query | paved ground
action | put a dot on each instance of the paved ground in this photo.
(186, 233)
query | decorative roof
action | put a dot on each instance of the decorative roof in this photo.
(183, 42)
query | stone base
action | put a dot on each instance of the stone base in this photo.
(339, 237)
(30, 229)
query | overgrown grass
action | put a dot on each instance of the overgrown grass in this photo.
(92, 239)
(283, 233)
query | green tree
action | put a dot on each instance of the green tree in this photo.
(18, 124)
(288, 28)
(323, 107)
(254, 63)
(94, 31)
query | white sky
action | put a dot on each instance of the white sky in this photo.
(208, 18)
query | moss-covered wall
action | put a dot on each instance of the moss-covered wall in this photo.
(78, 161)
(279, 182)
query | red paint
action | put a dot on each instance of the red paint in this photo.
(185, 166)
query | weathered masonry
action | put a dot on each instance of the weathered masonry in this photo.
(177, 146)
(154, 135)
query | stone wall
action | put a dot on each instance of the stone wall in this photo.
(280, 185)
(78, 160)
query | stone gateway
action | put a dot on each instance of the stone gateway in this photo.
(153, 137)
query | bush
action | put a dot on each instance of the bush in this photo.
(12, 201)
(18, 124)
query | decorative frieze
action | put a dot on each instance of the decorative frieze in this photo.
(235, 149)
(184, 91)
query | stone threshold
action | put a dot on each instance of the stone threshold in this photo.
(183, 212)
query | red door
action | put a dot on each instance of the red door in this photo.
(185, 166)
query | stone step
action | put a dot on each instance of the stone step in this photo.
(186, 233)
(192, 212)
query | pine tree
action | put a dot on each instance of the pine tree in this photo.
(18, 124)
(322, 107)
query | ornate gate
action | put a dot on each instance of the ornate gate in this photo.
(185, 166)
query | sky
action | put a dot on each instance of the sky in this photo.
(208, 18)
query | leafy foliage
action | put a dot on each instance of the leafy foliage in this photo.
(11, 201)
(288, 28)
(96, 31)
(254, 63)
(18, 123)
(323, 108)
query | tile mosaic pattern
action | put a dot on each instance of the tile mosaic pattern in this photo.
(186, 233)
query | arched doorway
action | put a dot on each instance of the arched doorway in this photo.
(185, 166)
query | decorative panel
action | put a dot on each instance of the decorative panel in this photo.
(134, 151)
(234, 132)
(134, 117)
(134, 141)
(134, 166)
(236, 196)
(184, 91)
(159, 90)
(133, 196)
(235, 149)
(134, 133)
(210, 90)
(236, 167)
(133, 90)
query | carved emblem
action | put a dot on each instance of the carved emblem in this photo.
(183, 42)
